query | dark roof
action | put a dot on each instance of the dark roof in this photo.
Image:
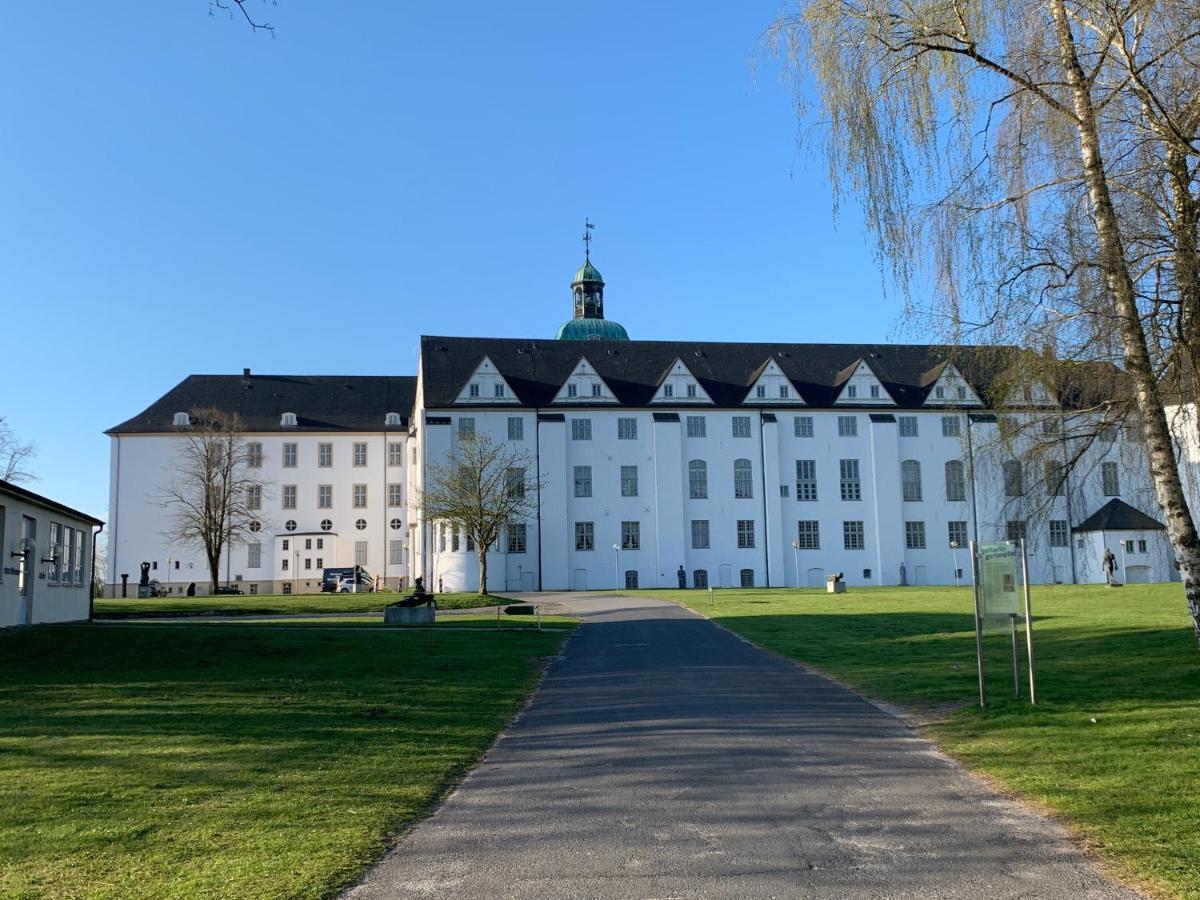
(7, 487)
(320, 402)
(536, 369)
(1117, 515)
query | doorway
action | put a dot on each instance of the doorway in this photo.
(579, 580)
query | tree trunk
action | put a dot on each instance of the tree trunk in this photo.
(214, 570)
(483, 572)
(1163, 467)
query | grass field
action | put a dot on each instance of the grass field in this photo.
(1114, 743)
(276, 604)
(169, 760)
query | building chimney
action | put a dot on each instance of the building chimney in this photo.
(245, 373)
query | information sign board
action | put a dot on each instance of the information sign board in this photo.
(1000, 585)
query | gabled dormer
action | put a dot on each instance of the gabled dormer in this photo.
(584, 385)
(949, 388)
(1030, 392)
(772, 387)
(858, 385)
(486, 386)
(679, 385)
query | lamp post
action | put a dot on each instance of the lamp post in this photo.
(295, 569)
(617, 566)
(954, 556)
(168, 575)
(796, 557)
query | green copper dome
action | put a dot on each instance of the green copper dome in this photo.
(587, 272)
(591, 329)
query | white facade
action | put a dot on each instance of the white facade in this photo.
(46, 574)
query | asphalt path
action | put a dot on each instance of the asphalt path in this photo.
(663, 757)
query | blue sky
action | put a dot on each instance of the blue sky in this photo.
(183, 195)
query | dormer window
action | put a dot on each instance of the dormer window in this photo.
(498, 391)
(962, 393)
(691, 392)
(572, 391)
(182, 420)
(596, 390)
(761, 391)
(852, 392)
(473, 391)
(783, 392)
(874, 392)
(939, 392)
(392, 419)
(288, 420)
(668, 390)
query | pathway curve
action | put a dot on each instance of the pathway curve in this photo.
(662, 757)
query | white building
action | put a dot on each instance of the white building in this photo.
(46, 573)
(767, 464)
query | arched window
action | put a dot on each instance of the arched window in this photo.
(700, 578)
(743, 479)
(747, 578)
(956, 482)
(1014, 479)
(910, 479)
(697, 479)
(631, 579)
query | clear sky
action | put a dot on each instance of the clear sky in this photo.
(182, 195)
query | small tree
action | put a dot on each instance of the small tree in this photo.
(484, 487)
(209, 494)
(14, 455)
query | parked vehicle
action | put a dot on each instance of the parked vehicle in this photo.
(348, 579)
(228, 589)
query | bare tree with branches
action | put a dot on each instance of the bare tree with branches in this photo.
(483, 488)
(240, 6)
(1038, 160)
(211, 495)
(15, 456)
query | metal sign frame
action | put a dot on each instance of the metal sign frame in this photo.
(976, 571)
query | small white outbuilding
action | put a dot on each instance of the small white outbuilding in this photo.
(46, 571)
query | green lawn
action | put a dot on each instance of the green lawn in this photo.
(276, 604)
(1125, 658)
(168, 760)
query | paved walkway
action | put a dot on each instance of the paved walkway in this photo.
(664, 758)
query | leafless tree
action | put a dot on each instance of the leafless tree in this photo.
(1036, 159)
(230, 6)
(483, 488)
(15, 455)
(210, 493)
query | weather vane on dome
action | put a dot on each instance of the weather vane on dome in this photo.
(587, 240)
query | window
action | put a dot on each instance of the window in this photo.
(395, 494)
(852, 536)
(745, 534)
(288, 420)
(951, 426)
(80, 551)
(668, 390)
(760, 392)
(631, 535)
(498, 390)
(956, 533)
(583, 481)
(802, 426)
(254, 496)
(286, 544)
(808, 534)
(255, 525)
(741, 426)
(806, 479)
(289, 525)
(910, 480)
(631, 575)
(572, 391)
(847, 426)
(1014, 479)
(254, 556)
(1015, 529)
(308, 543)
(747, 578)
(395, 553)
(783, 490)
(691, 391)
(360, 496)
(324, 455)
(960, 392)
(320, 543)
(908, 426)
(56, 550)
(1128, 546)
(1141, 547)
(1050, 426)
(473, 390)
(697, 479)
(851, 485)
(939, 392)
(516, 428)
(696, 427)
(515, 481)
(700, 578)
(326, 525)
(581, 429)
(629, 481)
(254, 455)
(361, 525)
(914, 535)
(956, 481)
(469, 540)
(596, 390)
(324, 496)
(289, 496)
(743, 479)
(700, 535)
(466, 426)
(308, 562)
(585, 536)
(289, 456)
(360, 553)
(516, 538)
(360, 454)
(283, 565)
(874, 392)
(395, 454)
(852, 392)
(1108, 434)
(1055, 474)
(453, 537)
(1110, 479)
(1058, 533)
(784, 393)
(627, 429)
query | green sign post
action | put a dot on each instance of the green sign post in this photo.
(1001, 571)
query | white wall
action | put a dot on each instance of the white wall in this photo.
(52, 595)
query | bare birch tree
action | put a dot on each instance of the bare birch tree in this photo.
(15, 455)
(1036, 159)
(483, 488)
(210, 493)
